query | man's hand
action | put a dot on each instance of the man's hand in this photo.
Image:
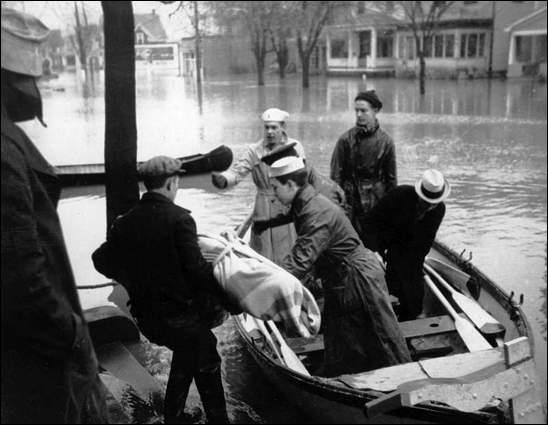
(218, 180)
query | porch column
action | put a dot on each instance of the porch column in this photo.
(373, 48)
(511, 50)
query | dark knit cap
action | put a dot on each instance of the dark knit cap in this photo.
(371, 97)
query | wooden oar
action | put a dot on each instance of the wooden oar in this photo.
(291, 359)
(461, 280)
(473, 340)
(490, 327)
(269, 339)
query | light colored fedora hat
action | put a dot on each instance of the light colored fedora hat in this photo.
(22, 35)
(286, 165)
(432, 187)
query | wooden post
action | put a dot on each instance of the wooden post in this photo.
(122, 190)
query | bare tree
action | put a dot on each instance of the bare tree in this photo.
(311, 17)
(423, 17)
(280, 31)
(83, 30)
(256, 17)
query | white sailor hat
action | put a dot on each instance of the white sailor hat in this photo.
(22, 35)
(286, 165)
(432, 187)
(274, 114)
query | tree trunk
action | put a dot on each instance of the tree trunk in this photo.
(260, 69)
(305, 62)
(122, 189)
(283, 59)
(422, 72)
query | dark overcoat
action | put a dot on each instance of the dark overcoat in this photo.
(363, 163)
(153, 250)
(49, 367)
(395, 229)
(360, 329)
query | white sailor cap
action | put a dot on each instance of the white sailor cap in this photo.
(274, 114)
(286, 165)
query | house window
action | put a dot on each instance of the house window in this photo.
(401, 47)
(438, 46)
(365, 43)
(481, 44)
(339, 48)
(410, 44)
(472, 49)
(449, 45)
(140, 37)
(385, 44)
(523, 48)
(427, 47)
(472, 45)
(541, 48)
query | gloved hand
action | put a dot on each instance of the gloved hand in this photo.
(259, 226)
(218, 180)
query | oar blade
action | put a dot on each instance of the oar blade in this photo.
(487, 324)
(473, 340)
(292, 361)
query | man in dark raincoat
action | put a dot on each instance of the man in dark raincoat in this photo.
(402, 227)
(49, 367)
(360, 329)
(153, 251)
(363, 162)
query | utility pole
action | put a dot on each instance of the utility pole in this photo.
(198, 54)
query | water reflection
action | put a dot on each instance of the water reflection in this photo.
(489, 139)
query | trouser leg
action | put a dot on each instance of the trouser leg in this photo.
(209, 380)
(183, 364)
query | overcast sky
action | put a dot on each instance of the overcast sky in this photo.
(59, 14)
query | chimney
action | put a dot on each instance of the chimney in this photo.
(154, 11)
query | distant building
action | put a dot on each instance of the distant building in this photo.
(472, 38)
(152, 47)
(527, 45)
(227, 51)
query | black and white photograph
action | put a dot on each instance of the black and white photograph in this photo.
(274, 212)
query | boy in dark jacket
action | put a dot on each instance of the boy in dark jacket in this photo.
(153, 251)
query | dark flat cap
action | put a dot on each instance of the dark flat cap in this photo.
(371, 97)
(287, 149)
(160, 166)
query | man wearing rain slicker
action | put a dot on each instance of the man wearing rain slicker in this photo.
(360, 328)
(275, 242)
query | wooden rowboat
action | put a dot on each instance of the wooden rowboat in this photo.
(446, 383)
(219, 159)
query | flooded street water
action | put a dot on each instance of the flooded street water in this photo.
(489, 138)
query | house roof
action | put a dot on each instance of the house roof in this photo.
(370, 18)
(151, 24)
(534, 20)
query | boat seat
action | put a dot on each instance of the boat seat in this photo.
(411, 329)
